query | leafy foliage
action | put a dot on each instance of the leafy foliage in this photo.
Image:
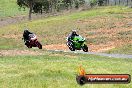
(40, 6)
(101, 2)
(93, 3)
(98, 2)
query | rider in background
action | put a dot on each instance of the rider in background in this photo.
(26, 35)
(72, 35)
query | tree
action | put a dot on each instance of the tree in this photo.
(40, 6)
(102, 2)
(93, 3)
(28, 4)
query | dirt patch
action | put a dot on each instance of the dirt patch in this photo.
(12, 20)
(105, 26)
(18, 52)
(101, 47)
(56, 47)
(63, 47)
(92, 48)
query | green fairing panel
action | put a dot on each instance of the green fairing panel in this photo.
(78, 38)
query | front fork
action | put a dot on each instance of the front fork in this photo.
(84, 43)
(69, 44)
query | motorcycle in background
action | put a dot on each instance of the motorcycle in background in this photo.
(33, 42)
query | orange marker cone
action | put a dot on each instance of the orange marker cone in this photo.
(81, 71)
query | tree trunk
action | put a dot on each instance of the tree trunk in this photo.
(131, 3)
(107, 2)
(115, 2)
(30, 9)
(30, 12)
(119, 2)
(127, 2)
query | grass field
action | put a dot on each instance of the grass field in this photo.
(126, 49)
(109, 26)
(58, 70)
(9, 8)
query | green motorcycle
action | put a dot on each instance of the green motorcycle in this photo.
(78, 43)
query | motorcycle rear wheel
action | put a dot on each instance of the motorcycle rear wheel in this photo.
(85, 48)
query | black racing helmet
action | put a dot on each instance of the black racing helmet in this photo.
(26, 31)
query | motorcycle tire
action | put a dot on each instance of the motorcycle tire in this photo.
(39, 45)
(85, 48)
(28, 45)
(71, 47)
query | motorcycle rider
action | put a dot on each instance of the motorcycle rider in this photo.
(26, 36)
(72, 35)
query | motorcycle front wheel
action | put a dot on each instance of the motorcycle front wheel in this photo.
(39, 45)
(28, 44)
(71, 47)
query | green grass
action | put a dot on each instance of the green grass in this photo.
(97, 40)
(10, 43)
(125, 49)
(9, 8)
(54, 70)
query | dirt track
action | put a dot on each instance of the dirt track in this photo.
(63, 48)
(29, 52)
(54, 47)
(92, 48)
(95, 53)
